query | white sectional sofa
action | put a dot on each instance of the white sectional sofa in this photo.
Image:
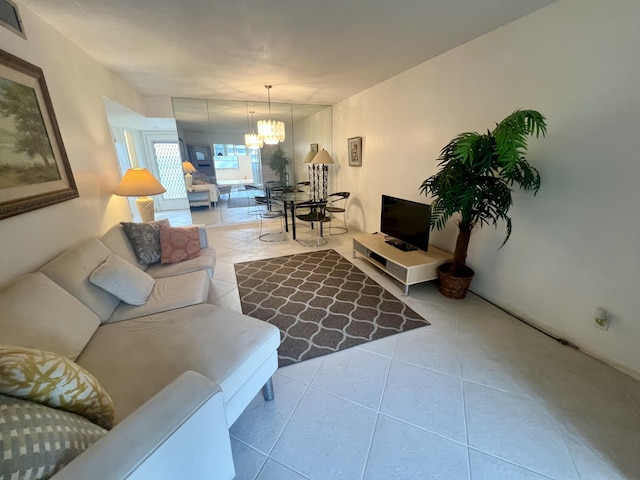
(179, 370)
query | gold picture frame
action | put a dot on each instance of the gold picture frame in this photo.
(34, 168)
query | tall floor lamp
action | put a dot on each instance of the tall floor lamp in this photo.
(312, 168)
(139, 182)
(320, 165)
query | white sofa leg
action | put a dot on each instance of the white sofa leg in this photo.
(267, 390)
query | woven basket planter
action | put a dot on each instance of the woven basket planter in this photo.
(454, 287)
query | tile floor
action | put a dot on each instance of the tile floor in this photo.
(477, 395)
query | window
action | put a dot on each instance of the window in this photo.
(226, 155)
(226, 162)
(169, 169)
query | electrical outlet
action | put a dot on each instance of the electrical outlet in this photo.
(601, 320)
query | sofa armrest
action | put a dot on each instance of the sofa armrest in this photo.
(202, 230)
(179, 433)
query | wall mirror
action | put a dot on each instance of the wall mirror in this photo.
(211, 135)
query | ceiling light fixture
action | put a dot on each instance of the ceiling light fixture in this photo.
(251, 139)
(271, 131)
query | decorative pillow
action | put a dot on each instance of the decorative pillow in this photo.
(56, 381)
(123, 280)
(36, 441)
(179, 243)
(145, 239)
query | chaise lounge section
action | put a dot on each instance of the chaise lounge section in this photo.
(163, 362)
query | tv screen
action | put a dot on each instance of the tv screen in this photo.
(406, 222)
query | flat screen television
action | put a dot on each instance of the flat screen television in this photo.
(407, 223)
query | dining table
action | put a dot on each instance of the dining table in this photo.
(289, 201)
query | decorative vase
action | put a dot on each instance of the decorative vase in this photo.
(454, 286)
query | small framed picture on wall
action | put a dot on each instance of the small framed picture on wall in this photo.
(355, 151)
(314, 147)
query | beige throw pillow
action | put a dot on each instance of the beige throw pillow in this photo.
(56, 381)
(123, 280)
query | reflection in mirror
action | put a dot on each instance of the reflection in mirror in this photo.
(212, 138)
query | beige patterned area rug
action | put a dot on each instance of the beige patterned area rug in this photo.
(321, 303)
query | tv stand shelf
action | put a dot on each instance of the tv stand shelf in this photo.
(408, 268)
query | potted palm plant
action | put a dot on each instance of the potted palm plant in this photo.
(278, 163)
(474, 180)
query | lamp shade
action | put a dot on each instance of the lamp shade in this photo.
(138, 182)
(310, 156)
(187, 167)
(322, 157)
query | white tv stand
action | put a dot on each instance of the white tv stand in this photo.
(409, 268)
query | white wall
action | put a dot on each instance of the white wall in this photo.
(576, 245)
(76, 85)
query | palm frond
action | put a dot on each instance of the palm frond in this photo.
(476, 172)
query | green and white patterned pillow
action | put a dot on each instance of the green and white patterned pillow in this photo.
(55, 381)
(36, 441)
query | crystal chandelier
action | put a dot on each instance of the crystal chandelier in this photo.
(251, 139)
(271, 131)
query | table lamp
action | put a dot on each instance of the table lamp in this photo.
(321, 174)
(138, 182)
(187, 168)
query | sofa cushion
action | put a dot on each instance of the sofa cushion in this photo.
(178, 243)
(118, 242)
(71, 270)
(125, 281)
(168, 293)
(223, 345)
(55, 381)
(37, 440)
(205, 261)
(35, 312)
(145, 239)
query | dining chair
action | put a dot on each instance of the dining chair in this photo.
(275, 210)
(315, 215)
(337, 203)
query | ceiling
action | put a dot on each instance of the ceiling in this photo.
(314, 52)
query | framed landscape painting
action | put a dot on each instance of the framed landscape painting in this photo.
(34, 168)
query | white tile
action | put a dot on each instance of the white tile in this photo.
(230, 300)
(399, 450)
(486, 467)
(354, 374)
(584, 385)
(602, 450)
(272, 470)
(442, 319)
(383, 346)
(487, 326)
(500, 368)
(218, 289)
(431, 349)
(516, 429)
(262, 422)
(425, 398)
(227, 275)
(327, 437)
(302, 371)
(246, 460)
